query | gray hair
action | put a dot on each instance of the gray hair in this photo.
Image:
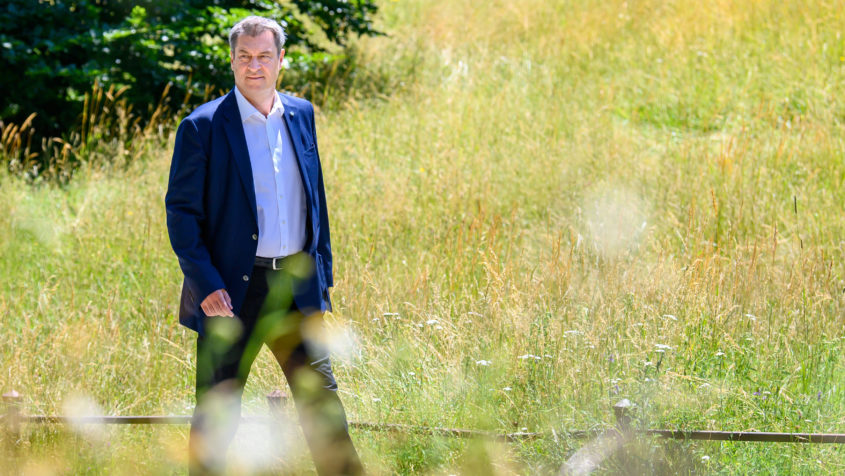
(254, 26)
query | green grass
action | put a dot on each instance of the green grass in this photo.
(585, 182)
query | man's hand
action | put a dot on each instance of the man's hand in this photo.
(217, 303)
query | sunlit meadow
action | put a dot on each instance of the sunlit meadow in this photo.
(555, 206)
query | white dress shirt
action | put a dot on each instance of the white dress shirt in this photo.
(279, 195)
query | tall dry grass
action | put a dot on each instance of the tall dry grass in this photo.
(109, 134)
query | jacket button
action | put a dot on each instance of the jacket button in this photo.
(254, 236)
(246, 278)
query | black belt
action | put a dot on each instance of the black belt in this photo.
(273, 263)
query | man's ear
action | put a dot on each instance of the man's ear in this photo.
(281, 58)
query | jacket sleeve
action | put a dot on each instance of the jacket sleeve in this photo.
(324, 247)
(185, 211)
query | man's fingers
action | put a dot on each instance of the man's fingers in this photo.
(217, 303)
(224, 303)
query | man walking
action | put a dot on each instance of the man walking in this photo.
(247, 218)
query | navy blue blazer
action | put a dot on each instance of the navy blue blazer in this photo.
(211, 211)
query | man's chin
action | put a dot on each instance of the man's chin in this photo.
(252, 89)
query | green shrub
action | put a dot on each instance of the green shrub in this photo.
(53, 51)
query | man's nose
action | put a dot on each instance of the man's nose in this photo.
(254, 63)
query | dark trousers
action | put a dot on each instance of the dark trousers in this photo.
(225, 355)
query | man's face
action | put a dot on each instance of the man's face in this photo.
(256, 64)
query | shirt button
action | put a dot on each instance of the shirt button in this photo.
(254, 236)
(246, 278)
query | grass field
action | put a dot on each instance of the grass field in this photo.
(555, 205)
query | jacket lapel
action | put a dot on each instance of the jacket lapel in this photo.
(292, 121)
(237, 142)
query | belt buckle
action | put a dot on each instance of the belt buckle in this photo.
(275, 260)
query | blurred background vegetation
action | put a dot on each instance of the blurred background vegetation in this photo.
(80, 72)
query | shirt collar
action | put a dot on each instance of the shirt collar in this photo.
(247, 110)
